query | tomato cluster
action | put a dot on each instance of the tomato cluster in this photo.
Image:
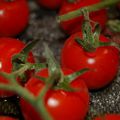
(102, 62)
(59, 103)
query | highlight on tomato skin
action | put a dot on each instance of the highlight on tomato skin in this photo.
(11, 47)
(59, 103)
(103, 62)
(50, 4)
(13, 18)
(74, 25)
(109, 117)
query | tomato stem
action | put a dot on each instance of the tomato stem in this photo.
(71, 1)
(13, 85)
(90, 39)
(95, 7)
(114, 25)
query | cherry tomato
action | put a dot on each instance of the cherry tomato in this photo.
(62, 105)
(7, 118)
(74, 25)
(50, 4)
(103, 62)
(109, 117)
(8, 48)
(14, 17)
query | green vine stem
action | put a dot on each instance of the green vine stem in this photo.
(114, 25)
(23, 92)
(55, 74)
(95, 7)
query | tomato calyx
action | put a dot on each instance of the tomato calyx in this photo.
(91, 35)
(114, 25)
(20, 63)
(57, 80)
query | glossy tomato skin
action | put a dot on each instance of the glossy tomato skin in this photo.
(103, 62)
(14, 17)
(50, 4)
(74, 25)
(109, 117)
(61, 105)
(7, 118)
(8, 48)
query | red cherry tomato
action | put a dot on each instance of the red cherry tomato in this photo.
(7, 118)
(50, 4)
(103, 62)
(74, 25)
(14, 16)
(8, 48)
(109, 117)
(62, 105)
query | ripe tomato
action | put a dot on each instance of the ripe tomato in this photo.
(62, 105)
(13, 17)
(7, 118)
(74, 25)
(103, 62)
(109, 117)
(8, 48)
(50, 4)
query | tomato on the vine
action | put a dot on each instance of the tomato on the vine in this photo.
(50, 4)
(109, 117)
(74, 25)
(61, 104)
(14, 17)
(103, 62)
(8, 48)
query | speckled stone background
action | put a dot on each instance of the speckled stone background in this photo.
(43, 26)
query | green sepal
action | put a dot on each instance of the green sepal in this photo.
(96, 34)
(80, 41)
(56, 78)
(29, 47)
(53, 66)
(114, 25)
(102, 44)
(87, 47)
(41, 78)
(21, 58)
(65, 85)
(75, 75)
(38, 66)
